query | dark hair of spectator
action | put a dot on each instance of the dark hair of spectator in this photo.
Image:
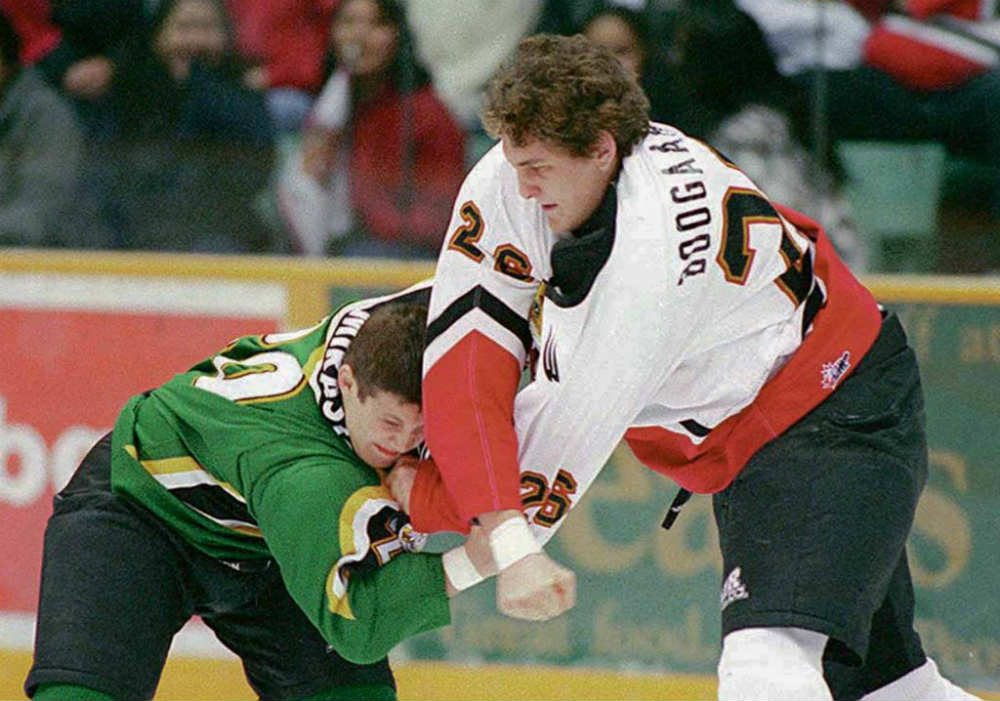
(635, 19)
(10, 42)
(406, 72)
(726, 63)
(148, 100)
(231, 66)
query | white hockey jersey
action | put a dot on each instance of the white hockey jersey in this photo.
(689, 315)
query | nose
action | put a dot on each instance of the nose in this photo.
(412, 439)
(404, 441)
(526, 187)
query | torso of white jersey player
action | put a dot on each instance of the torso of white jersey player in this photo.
(707, 293)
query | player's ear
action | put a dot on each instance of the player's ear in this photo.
(346, 380)
(605, 151)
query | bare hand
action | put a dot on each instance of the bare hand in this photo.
(89, 78)
(319, 152)
(535, 588)
(256, 78)
(400, 480)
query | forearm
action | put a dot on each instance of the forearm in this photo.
(337, 542)
(468, 407)
(428, 504)
(383, 607)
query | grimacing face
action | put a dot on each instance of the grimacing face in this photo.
(383, 426)
(567, 187)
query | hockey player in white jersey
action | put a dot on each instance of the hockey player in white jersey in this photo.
(660, 297)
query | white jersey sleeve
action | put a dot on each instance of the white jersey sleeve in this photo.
(493, 258)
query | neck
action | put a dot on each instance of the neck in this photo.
(367, 87)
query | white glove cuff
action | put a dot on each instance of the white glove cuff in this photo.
(459, 569)
(511, 541)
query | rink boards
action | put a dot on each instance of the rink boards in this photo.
(68, 319)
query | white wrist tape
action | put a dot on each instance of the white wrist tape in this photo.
(511, 541)
(459, 569)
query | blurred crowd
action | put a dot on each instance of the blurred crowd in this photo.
(345, 127)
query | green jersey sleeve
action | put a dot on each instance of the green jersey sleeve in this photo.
(334, 531)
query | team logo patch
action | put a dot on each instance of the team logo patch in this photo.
(535, 314)
(733, 589)
(413, 541)
(831, 373)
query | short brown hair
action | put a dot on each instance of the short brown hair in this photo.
(564, 90)
(387, 353)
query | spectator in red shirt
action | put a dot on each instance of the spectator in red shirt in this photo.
(381, 157)
(287, 42)
(31, 20)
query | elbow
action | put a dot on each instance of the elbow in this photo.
(360, 651)
(359, 640)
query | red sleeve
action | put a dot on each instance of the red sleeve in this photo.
(469, 420)
(288, 38)
(429, 500)
(966, 9)
(872, 9)
(32, 21)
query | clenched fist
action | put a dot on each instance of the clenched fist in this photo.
(535, 588)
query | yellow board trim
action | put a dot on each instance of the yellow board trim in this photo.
(191, 678)
(309, 281)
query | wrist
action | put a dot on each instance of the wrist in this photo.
(459, 571)
(512, 540)
(491, 519)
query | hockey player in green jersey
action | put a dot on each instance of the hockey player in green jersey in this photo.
(248, 491)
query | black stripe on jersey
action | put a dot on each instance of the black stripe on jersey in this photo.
(418, 296)
(695, 428)
(214, 501)
(814, 302)
(495, 308)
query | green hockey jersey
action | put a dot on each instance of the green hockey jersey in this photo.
(247, 456)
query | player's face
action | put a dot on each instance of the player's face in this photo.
(567, 187)
(382, 425)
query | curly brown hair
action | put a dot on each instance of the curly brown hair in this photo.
(564, 90)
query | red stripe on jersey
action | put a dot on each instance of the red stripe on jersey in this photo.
(849, 322)
(431, 509)
(469, 419)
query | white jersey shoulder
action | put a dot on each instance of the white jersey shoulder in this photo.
(494, 256)
(509, 221)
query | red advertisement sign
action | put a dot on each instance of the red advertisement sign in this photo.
(66, 372)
